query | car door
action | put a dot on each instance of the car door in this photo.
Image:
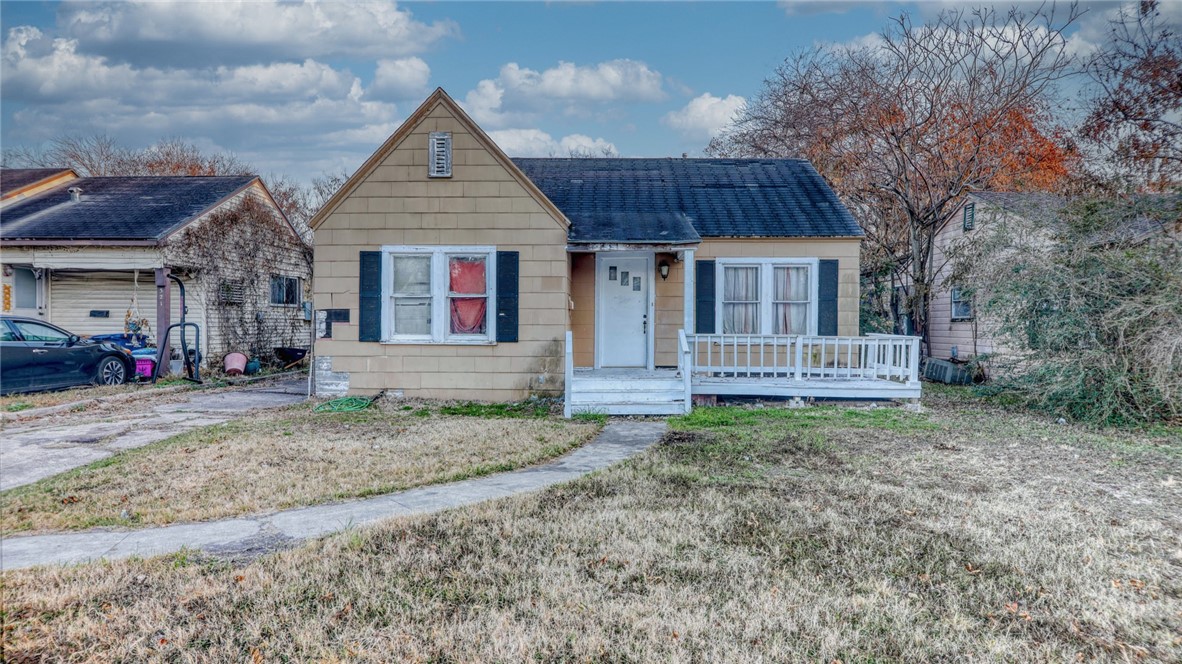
(16, 360)
(55, 363)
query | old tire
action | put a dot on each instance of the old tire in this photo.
(110, 372)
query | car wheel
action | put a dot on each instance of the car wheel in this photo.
(111, 372)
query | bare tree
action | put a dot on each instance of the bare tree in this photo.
(1136, 112)
(99, 155)
(904, 126)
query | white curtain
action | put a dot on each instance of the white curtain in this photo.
(791, 304)
(412, 295)
(740, 300)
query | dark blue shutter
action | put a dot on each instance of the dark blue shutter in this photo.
(507, 271)
(827, 296)
(704, 297)
(369, 319)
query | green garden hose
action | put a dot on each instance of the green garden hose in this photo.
(346, 404)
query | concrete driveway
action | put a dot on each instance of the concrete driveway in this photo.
(39, 449)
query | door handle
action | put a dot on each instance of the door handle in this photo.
(39, 351)
(644, 327)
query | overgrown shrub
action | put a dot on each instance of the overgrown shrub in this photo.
(1087, 308)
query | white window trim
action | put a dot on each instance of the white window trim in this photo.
(767, 289)
(440, 319)
(952, 300)
(270, 292)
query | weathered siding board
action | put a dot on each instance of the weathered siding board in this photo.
(252, 253)
(969, 337)
(397, 204)
(73, 295)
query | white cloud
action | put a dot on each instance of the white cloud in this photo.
(537, 143)
(519, 94)
(295, 112)
(404, 78)
(156, 31)
(705, 116)
(42, 70)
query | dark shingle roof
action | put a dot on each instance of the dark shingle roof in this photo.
(677, 200)
(12, 179)
(116, 208)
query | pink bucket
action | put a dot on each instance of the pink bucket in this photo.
(235, 364)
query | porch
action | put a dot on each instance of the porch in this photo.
(875, 366)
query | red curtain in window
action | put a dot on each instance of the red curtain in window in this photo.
(467, 313)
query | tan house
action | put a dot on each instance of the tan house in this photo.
(93, 254)
(445, 269)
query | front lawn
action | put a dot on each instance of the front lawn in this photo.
(964, 534)
(287, 458)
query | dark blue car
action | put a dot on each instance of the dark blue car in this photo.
(35, 356)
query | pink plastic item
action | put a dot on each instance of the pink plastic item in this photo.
(235, 364)
(144, 366)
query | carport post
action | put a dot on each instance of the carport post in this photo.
(163, 315)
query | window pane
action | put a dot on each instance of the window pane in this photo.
(468, 315)
(38, 332)
(412, 275)
(24, 286)
(740, 318)
(791, 318)
(412, 315)
(740, 284)
(467, 274)
(792, 284)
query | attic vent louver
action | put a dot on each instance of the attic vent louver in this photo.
(439, 155)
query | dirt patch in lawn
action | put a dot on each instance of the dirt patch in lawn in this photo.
(753, 535)
(284, 459)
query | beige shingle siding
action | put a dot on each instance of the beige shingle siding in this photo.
(481, 204)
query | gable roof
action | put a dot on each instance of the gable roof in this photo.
(691, 197)
(15, 180)
(141, 210)
(437, 98)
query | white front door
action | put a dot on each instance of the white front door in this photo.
(622, 324)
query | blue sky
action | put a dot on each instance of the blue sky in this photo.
(299, 89)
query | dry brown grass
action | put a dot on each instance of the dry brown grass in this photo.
(967, 534)
(283, 459)
(15, 403)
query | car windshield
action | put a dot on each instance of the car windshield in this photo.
(38, 332)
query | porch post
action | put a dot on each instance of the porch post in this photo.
(163, 316)
(688, 298)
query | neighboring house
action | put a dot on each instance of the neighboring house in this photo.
(955, 326)
(445, 269)
(91, 255)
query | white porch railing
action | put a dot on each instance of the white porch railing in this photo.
(568, 373)
(802, 358)
(685, 364)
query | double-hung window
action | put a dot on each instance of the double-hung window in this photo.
(285, 291)
(439, 294)
(767, 296)
(962, 305)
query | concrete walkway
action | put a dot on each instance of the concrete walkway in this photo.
(36, 450)
(246, 536)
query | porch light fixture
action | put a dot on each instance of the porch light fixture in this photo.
(663, 267)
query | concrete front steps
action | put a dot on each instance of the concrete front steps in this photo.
(627, 392)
